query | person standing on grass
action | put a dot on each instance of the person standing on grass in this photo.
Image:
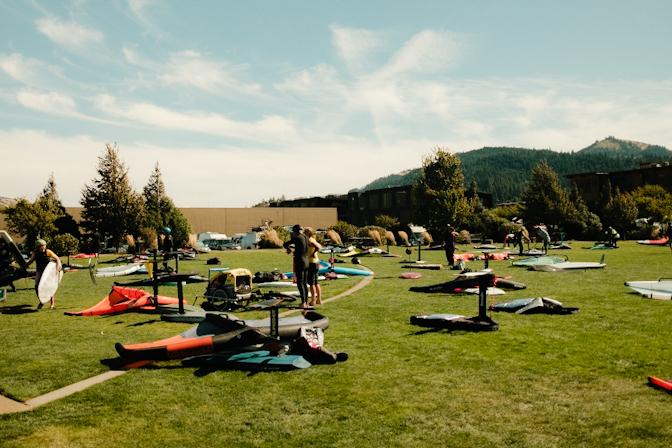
(522, 235)
(298, 245)
(313, 267)
(543, 235)
(167, 247)
(449, 244)
(42, 257)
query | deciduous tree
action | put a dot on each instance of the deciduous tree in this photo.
(439, 192)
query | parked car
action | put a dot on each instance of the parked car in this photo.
(222, 244)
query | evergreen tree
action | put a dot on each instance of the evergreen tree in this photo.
(160, 211)
(49, 201)
(440, 192)
(50, 204)
(110, 205)
(545, 199)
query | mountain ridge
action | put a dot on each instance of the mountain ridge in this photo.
(503, 171)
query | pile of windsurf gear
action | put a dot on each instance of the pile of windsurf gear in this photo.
(456, 322)
(228, 342)
(466, 281)
(535, 305)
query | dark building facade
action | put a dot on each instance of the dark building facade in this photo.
(361, 207)
(398, 202)
(592, 186)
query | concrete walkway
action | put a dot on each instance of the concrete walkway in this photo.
(9, 406)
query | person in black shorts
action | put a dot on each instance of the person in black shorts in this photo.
(298, 246)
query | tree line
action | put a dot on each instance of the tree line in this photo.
(112, 212)
(441, 199)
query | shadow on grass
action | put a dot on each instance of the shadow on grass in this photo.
(205, 371)
(119, 363)
(18, 309)
(146, 322)
(435, 330)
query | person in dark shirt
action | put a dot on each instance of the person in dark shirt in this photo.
(449, 244)
(42, 257)
(298, 246)
(167, 247)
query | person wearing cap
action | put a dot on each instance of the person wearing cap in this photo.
(42, 256)
(298, 245)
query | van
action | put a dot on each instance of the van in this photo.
(250, 240)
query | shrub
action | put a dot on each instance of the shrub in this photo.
(269, 240)
(464, 237)
(334, 237)
(427, 237)
(389, 237)
(375, 236)
(130, 242)
(385, 221)
(65, 244)
(149, 237)
(282, 233)
(344, 229)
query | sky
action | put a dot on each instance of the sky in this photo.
(238, 102)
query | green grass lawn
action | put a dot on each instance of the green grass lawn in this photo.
(540, 381)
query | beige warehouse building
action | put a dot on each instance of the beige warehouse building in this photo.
(239, 220)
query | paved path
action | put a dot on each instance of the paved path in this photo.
(9, 406)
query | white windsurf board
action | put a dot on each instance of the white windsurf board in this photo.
(115, 271)
(568, 265)
(49, 282)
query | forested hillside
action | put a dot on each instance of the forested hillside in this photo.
(503, 171)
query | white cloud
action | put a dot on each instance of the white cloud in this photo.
(54, 103)
(271, 129)
(245, 177)
(427, 52)
(139, 11)
(131, 56)
(70, 35)
(138, 6)
(25, 70)
(190, 68)
(319, 84)
(193, 70)
(354, 46)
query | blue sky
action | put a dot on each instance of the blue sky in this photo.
(242, 101)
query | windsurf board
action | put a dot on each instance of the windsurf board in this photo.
(116, 271)
(653, 289)
(49, 282)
